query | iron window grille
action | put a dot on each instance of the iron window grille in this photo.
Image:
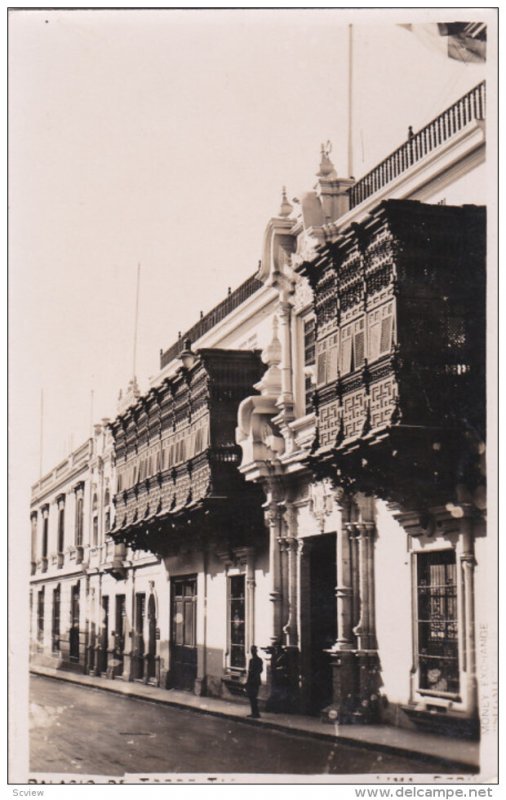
(55, 637)
(237, 621)
(438, 656)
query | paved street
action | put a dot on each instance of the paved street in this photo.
(88, 731)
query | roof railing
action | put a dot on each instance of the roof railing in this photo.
(470, 107)
(219, 312)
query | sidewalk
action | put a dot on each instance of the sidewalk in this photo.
(454, 753)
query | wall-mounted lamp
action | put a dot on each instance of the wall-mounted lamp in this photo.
(187, 355)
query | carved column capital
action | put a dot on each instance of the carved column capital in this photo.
(272, 514)
(468, 560)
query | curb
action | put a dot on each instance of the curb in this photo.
(391, 749)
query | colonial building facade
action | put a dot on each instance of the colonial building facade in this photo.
(306, 472)
(72, 515)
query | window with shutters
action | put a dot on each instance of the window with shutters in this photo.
(309, 360)
(352, 355)
(358, 343)
(321, 365)
(438, 657)
(346, 348)
(381, 331)
(327, 360)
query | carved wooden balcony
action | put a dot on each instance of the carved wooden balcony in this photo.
(176, 456)
(400, 319)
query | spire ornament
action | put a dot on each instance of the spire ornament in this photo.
(286, 207)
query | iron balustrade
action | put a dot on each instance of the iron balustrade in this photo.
(418, 145)
(219, 312)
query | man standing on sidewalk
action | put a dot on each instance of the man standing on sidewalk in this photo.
(255, 668)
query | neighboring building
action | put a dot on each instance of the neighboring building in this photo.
(328, 505)
(71, 515)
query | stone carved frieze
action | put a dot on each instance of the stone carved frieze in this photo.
(321, 501)
(306, 249)
(303, 295)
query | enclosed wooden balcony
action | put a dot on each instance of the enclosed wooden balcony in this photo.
(176, 455)
(400, 349)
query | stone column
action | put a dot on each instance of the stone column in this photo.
(303, 589)
(286, 399)
(365, 629)
(273, 520)
(468, 563)
(290, 628)
(342, 654)
(367, 656)
(344, 590)
(250, 597)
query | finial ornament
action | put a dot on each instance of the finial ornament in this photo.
(326, 148)
(286, 207)
(326, 166)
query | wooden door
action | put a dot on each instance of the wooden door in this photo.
(151, 666)
(184, 633)
(74, 628)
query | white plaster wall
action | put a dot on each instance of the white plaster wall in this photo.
(263, 603)
(257, 327)
(486, 632)
(393, 605)
(470, 187)
(216, 616)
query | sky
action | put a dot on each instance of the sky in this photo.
(163, 138)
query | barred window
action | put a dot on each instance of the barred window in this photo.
(237, 617)
(438, 656)
(61, 529)
(79, 522)
(45, 528)
(40, 615)
(55, 632)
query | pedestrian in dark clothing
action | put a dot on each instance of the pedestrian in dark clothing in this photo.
(255, 668)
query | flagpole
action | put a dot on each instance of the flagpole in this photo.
(350, 101)
(136, 319)
(92, 398)
(41, 442)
